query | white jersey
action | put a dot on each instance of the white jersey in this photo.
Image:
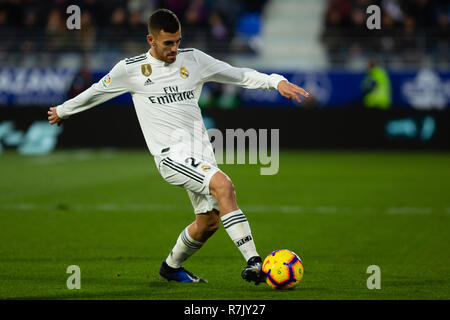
(166, 95)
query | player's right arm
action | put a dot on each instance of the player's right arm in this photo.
(113, 84)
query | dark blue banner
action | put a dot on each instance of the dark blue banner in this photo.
(423, 89)
(34, 86)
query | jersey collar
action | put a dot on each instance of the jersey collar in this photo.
(156, 61)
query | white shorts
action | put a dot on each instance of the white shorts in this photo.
(192, 174)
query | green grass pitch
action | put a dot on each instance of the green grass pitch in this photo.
(110, 213)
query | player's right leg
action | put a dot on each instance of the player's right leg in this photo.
(237, 226)
(189, 241)
(193, 175)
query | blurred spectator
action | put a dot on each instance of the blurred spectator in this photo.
(196, 14)
(338, 13)
(82, 81)
(194, 22)
(408, 42)
(56, 31)
(3, 17)
(30, 32)
(118, 18)
(136, 34)
(422, 12)
(218, 32)
(337, 19)
(136, 27)
(143, 7)
(116, 31)
(96, 9)
(179, 7)
(393, 10)
(86, 36)
(441, 35)
(376, 87)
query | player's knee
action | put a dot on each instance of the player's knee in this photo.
(222, 187)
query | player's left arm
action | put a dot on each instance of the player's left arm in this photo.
(219, 71)
(291, 91)
(252, 79)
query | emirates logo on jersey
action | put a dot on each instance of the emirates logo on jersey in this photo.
(184, 73)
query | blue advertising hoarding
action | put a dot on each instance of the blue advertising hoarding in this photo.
(421, 89)
(34, 86)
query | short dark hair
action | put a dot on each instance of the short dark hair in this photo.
(163, 19)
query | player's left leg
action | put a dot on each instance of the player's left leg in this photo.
(236, 225)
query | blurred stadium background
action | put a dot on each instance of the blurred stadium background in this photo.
(356, 203)
(372, 88)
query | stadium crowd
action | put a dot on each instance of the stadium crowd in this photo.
(116, 25)
(411, 31)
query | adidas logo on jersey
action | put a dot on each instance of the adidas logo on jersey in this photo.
(148, 82)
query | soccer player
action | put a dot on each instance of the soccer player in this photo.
(165, 84)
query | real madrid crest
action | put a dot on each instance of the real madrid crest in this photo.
(184, 73)
(146, 69)
(205, 167)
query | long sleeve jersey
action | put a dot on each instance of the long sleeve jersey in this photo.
(166, 95)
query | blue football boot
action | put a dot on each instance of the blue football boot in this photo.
(178, 274)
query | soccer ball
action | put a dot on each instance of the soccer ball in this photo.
(283, 269)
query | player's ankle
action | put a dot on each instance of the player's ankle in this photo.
(254, 259)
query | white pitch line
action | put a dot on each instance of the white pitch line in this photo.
(409, 210)
(77, 156)
(133, 207)
(20, 206)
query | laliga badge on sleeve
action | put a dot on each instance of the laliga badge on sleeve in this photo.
(106, 80)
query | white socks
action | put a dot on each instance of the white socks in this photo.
(183, 249)
(238, 228)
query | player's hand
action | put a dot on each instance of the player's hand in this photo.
(292, 91)
(53, 116)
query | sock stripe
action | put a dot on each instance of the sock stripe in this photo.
(238, 228)
(225, 220)
(233, 222)
(188, 242)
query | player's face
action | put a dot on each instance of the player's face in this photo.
(165, 45)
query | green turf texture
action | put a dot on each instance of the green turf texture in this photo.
(110, 213)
